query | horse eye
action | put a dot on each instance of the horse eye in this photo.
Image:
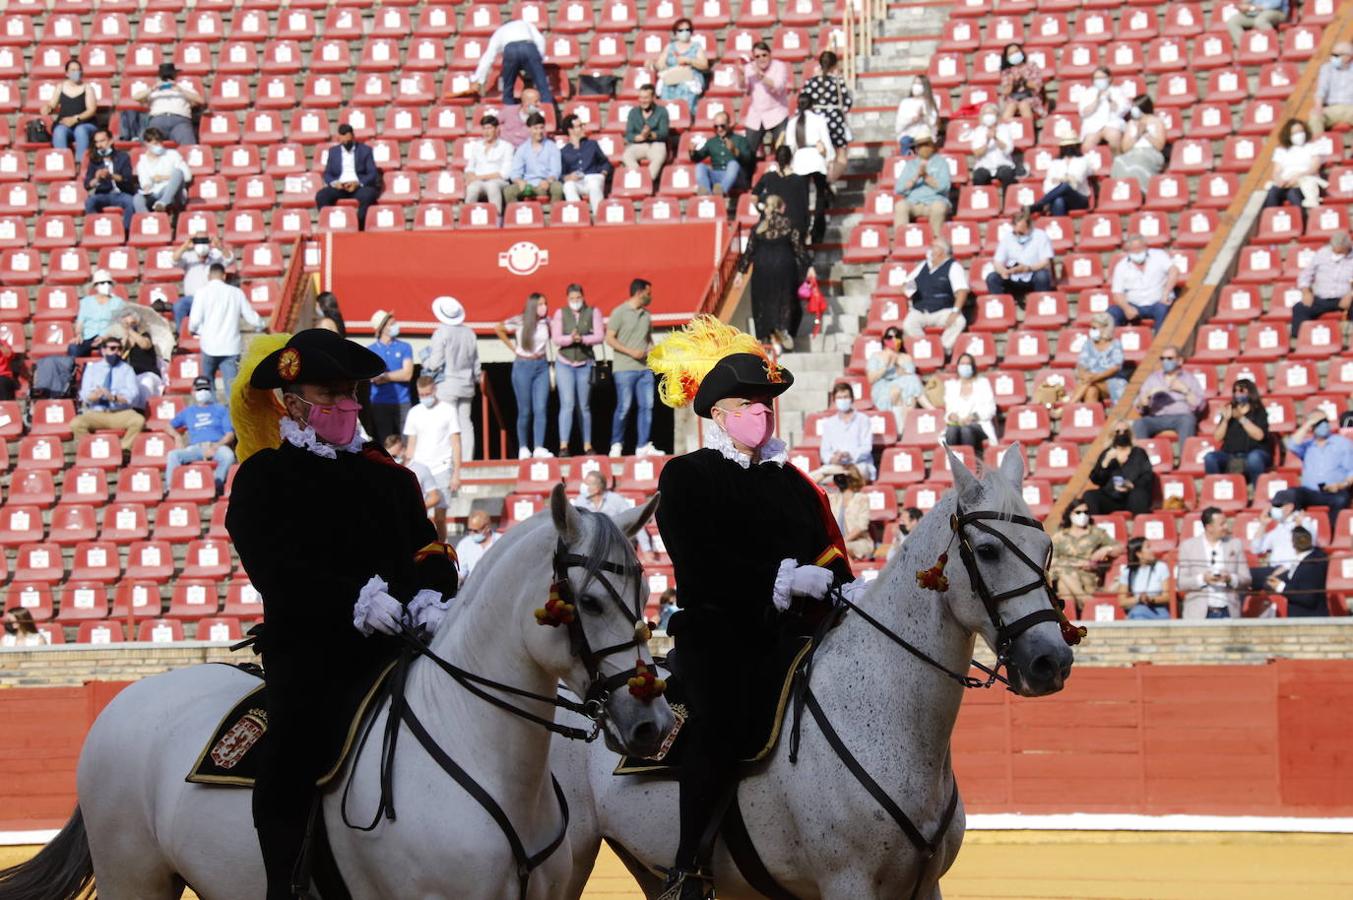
(589, 603)
(988, 551)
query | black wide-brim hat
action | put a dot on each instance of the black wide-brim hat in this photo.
(316, 356)
(741, 375)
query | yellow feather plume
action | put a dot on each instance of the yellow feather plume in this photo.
(255, 413)
(684, 359)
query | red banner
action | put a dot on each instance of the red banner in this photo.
(491, 271)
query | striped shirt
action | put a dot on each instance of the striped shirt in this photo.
(1326, 277)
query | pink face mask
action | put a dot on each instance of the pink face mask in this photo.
(750, 426)
(335, 423)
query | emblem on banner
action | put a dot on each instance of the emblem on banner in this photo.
(523, 258)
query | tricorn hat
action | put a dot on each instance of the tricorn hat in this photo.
(707, 361)
(739, 375)
(316, 356)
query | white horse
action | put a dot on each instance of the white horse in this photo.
(150, 833)
(818, 831)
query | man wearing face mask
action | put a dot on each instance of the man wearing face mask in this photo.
(350, 173)
(204, 433)
(1302, 581)
(1326, 282)
(922, 186)
(1143, 284)
(1023, 261)
(1333, 102)
(109, 180)
(595, 496)
(754, 547)
(432, 433)
(1169, 400)
(334, 535)
(108, 393)
(162, 175)
(847, 438)
(195, 256)
(1326, 465)
(938, 291)
(1274, 547)
(480, 535)
(629, 333)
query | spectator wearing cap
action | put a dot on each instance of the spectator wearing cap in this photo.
(922, 187)
(350, 173)
(583, 164)
(1170, 400)
(195, 256)
(1333, 104)
(1326, 465)
(646, 130)
(109, 179)
(218, 309)
(98, 311)
(1143, 284)
(390, 393)
(1274, 546)
(1066, 181)
(522, 47)
(1302, 581)
(453, 363)
(1326, 282)
(536, 166)
(1023, 260)
(488, 162)
(161, 176)
(170, 103)
(204, 434)
(108, 395)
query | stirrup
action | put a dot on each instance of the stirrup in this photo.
(685, 884)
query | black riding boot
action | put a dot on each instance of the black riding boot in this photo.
(281, 840)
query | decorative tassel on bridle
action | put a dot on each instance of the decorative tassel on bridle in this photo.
(646, 686)
(556, 611)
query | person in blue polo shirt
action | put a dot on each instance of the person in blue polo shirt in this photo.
(209, 435)
(391, 396)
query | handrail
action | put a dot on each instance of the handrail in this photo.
(489, 405)
(860, 20)
(1199, 298)
(720, 282)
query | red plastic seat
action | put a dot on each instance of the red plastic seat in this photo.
(87, 485)
(39, 562)
(160, 631)
(83, 600)
(242, 600)
(1258, 265)
(1027, 424)
(1317, 340)
(96, 561)
(901, 466)
(193, 483)
(220, 629)
(151, 560)
(922, 428)
(641, 473)
(20, 525)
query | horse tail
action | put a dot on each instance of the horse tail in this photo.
(62, 870)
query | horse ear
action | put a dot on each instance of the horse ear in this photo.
(632, 521)
(1012, 464)
(965, 481)
(566, 519)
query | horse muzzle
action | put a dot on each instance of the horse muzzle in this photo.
(1039, 665)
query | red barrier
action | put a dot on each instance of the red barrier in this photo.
(492, 270)
(1205, 740)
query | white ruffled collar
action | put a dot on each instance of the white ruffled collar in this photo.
(304, 437)
(773, 451)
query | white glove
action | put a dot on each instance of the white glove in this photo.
(427, 608)
(854, 590)
(811, 581)
(376, 610)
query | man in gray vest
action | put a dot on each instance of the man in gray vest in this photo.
(937, 289)
(575, 329)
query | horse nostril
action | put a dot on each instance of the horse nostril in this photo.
(1044, 668)
(644, 733)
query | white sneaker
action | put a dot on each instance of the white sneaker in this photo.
(542, 453)
(648, 450)
(617, 449)
(524, 453)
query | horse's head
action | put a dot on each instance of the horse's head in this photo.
(599, 647)
(996, 570)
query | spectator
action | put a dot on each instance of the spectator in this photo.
(583, 165)
(1296, 170)
(204, 433)
(718, 161)
(488, 162)
(1020, 91)
(98, 311)
(1141, 148)
(108, 393)
(523, 49)
(766, 82)
(667, 607)
(937, 291)
(993, 146)
(161, 176)
(922, 186)
(434, 501)
(629, 333)
(969, 406)
(1066, 182)
(453, 361)
(1080, 554)
(893, 382)
(850, 507)
(680, 67)
(1241, 435)
(777, 251)
(171, 105)
(1274, 547)
(1212, 570)
(536, 166)
(530, 373)
(646, 130)
(9, 385)
(513, 120)
(1326, 282)
(808, 136)
(328, 315)
(74, 105)
(350, 173)
(140, 352)
(195, 256)
(1303, 581)
(1123, 478)
(1261, 15)
(1104, 109)
(847, 438)
(1099, 365)
(1326, 465)
(218, 310)
(480, 535)
(917, 113)
(432, 437)
(1333, 103)
(109, 179)
(782, 181)
(576, 329)
(1023, 260)
(391, 396)
(597, 497)
(827, 95)
(1144, 585)
(21, 631)
(1143, 284)
(1169, 400)
(908, 518)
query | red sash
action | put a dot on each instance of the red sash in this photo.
(836, 544)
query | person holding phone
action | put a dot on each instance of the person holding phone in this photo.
(170, 106)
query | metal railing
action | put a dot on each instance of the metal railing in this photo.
(490, 413)
(860, 21)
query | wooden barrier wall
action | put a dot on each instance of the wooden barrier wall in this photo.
(1269, 740)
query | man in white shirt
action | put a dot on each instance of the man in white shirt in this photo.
(937, 290)
(487, 164)
(1023, 261)
(1274, 547)
(195, 258)
(847, 437)
(217, 310)
(161, 175)
(1143, 284)
(523, 49)
(432, 434)
(1212, 570)
(480, 535)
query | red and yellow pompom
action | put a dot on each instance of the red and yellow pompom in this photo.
(774, 373)
(1072, 634)
(934, 578)
(556, 611)
(646, 685)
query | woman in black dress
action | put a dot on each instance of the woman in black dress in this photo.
(826, 93)
(1123, 477)
(791, 187)
(781, 263)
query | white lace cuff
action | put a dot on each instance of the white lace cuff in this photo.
(854, 590)
(784, 584)
(366, 602)
(427, 599)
